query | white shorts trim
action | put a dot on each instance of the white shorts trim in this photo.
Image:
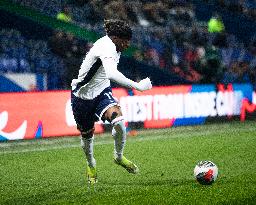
(105, 109)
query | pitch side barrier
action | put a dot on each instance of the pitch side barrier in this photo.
(30, 115)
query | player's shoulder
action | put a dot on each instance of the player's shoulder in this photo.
(105, 42)
(105, 47)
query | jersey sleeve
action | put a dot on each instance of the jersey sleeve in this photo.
(110, 59)
(110, 66)
(114, 75)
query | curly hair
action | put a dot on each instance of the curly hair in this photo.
(118, 28)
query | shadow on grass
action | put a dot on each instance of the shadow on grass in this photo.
(154, 182)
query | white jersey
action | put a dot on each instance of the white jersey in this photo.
(93, 76)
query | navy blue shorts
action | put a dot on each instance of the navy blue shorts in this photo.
(87, 112)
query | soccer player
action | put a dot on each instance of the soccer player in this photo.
(92, 98)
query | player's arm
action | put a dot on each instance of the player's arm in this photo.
(113, 74)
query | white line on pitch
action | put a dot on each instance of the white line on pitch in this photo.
(110, 141)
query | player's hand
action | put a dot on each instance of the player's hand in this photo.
(144, 84)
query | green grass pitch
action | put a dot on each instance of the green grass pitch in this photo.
(52, 171)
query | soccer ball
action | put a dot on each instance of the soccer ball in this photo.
(206, 172)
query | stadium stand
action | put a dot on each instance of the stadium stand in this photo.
(21, 55)
(247, 7)
(169, 35)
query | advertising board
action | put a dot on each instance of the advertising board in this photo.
(30, 115)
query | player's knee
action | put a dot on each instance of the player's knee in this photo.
(113, 116)
(112, 113)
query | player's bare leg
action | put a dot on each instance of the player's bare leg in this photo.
(114, 115)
